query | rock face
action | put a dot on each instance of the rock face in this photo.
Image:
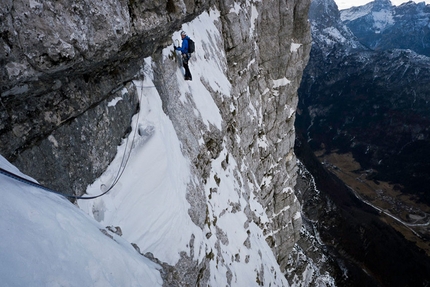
(266, 75)
(65, 66)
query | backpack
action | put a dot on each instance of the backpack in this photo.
(191, 46)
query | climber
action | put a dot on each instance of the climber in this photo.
(185, 55)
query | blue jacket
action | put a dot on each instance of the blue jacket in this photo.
(184, 48)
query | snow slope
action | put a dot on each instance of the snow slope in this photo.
(382, 18)
(148, 202)
(47, 241)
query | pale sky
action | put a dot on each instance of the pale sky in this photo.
(344, 4)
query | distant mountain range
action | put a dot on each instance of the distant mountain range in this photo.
(381, 26)
(362, 93)
(364, 115)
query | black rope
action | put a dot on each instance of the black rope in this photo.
(32, 183)
(145, 87)
(120, 172)
(117, 178)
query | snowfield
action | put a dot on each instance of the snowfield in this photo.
(47, 241)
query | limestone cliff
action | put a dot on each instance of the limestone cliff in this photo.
(63, 64)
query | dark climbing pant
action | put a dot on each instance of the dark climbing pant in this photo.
(185, 59)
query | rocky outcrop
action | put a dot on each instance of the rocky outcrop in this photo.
(67, 66)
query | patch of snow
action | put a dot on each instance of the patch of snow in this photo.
(114, 101)
(353, 14)
(280, 82)
(267, 180)
(252, 111)
(262, 142)
(294, 47)
(250, 63)
(254, 16)
(335, 34)
(235, 9)
(290, 109)
(382, 19)
(52, 139)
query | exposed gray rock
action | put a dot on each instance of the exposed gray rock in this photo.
(80, 149)
(266, 75)
(187, 272)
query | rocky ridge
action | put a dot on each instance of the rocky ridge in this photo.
(379, 25)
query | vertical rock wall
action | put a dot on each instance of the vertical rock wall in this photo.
(267, 46)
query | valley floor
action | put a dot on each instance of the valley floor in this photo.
(402, 211)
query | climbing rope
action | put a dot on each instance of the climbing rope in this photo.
(124, 161)
(35, 184)
(145, 87)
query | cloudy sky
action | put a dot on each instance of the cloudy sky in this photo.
(344, 4)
